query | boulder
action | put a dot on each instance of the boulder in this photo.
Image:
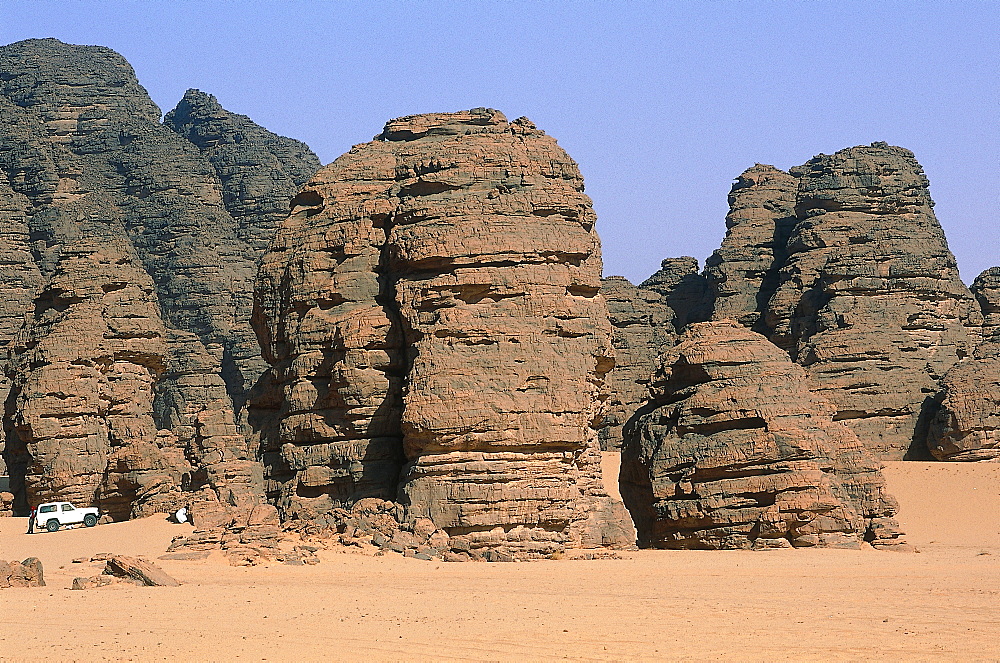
(22, 574)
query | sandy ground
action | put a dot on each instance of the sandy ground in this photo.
(938, 604)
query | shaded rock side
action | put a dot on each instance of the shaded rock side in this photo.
(435, 295)
(684, 290)
(743, 272)
(734, 451)
(194, 209)
(870, 301)
(642, 326)
(84, 367)
(966, 426)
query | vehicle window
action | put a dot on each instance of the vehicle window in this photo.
(67, 507)
(48, 509)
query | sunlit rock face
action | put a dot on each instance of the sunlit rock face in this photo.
(432, 315)
(869, 300)
(128, 251)
(734, 451)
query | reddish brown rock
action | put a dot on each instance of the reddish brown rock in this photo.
(743, 272)
(22, 574)
(734, 451)
(436, 292)
(189, 208)
(642, 326)
(966, 427)
(683, 289)
(870, 301)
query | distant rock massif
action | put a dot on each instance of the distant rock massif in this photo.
(414, 343)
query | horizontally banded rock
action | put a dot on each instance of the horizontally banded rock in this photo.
(431, 312)
(743, 272)
(642, 326)
(734, 451)
(869, 300)
(683, 289)
(118, 232)
(966, 426)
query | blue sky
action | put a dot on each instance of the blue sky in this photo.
(662, 104)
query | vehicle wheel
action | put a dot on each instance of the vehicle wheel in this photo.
(90, 520)
(52, 525)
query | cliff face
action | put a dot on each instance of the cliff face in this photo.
(734, 451)
(117, 232)
(431, 310)
(869, 300)
(965, 427)
(743, 272)
(642, 326)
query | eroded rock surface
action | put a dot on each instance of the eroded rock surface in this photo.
(870, 301)
(966, 426)
(22, 574)
(734, 451)
(743, 272)
(126, 248)
(642, 326)
(432, 315)
(683, 289)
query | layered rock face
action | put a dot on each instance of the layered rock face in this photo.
(966, 427)
(683, 289)
(431, 311)
(743, 272)
(734, 451)
(869, 300)
(128, 248)
(642, 326)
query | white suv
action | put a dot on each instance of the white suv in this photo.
(53, 515)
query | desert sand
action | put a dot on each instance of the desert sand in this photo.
(937, 604)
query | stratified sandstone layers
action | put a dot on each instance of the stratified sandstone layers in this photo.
(870, 301)
(743, 272)
(642, 326)
(434, 299)
(96, 193)
(966, 427)
(683, 289)
(734, 451)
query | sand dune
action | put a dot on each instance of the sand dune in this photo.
(777, 605)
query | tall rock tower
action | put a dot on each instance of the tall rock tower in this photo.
(431, 312)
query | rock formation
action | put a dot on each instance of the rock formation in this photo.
(870, 301)
(432, 316)
(734, 451)
(683, 289)
(128, 251)
(22, 574)
(743, 272)
(966, 426)
(642, 326)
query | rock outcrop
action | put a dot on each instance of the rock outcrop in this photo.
(642, 326)
(683, 289)
(432, 316)
(869, 300)
(966, 426)
(743, 272)
(22, 574)
(126, 249)
(734, 451)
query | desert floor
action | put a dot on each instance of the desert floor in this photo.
(940, 603)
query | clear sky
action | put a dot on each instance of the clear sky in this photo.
(661, 103)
